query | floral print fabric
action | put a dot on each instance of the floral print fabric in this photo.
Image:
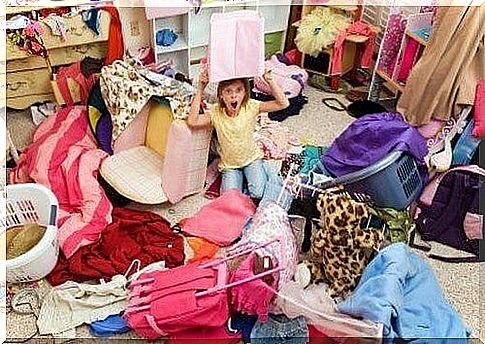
(125, 91)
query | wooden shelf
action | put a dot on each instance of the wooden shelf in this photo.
(417, 38)
(52, 4)
(179, 44)
(388, 79)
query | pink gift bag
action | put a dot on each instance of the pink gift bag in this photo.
(236, 45)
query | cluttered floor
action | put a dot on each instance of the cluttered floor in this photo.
(316, 124)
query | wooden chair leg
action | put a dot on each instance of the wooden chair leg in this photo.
(334, 82)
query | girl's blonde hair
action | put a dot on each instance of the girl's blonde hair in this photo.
(223, 84)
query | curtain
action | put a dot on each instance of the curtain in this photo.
(445, 78)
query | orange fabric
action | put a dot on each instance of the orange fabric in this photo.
(203, 249)
(116, 48)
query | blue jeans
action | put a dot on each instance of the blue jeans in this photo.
(255, 176)
(280, 330)
(274, 187)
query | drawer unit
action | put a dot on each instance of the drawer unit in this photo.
(29, 82)
(77, 32)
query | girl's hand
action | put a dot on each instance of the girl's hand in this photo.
(268, 76)
(203, 79)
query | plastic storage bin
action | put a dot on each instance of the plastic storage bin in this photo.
(393, 182)
(32, 203)
(272, 43)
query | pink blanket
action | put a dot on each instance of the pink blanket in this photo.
(222, 220)
(64, 157)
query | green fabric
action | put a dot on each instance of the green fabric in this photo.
(398, 223)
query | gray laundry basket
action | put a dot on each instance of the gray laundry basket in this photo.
(393, 182)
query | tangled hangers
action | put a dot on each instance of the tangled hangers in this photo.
(295, 186)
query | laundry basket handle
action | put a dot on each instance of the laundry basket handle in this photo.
(53, 215)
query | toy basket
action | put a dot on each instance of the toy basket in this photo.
(393, 182)
(32, 203)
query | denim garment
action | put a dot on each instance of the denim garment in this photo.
(399, 290)
(255, 176)
(274, 187)
(280, 329)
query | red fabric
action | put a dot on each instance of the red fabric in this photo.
(45, 12)
(214, 190)
(64, 157)
(132, 235)
(317, 337)
(479, 111)
(408, 59)
(222, 220)
(116, 48)
(292, 56)
(74, 72)
(357, 28)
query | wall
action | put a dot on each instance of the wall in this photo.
(136, 28)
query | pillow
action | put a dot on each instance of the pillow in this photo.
(135, 174)
(479, 112)
(159, 121)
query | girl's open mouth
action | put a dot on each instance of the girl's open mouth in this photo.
(234, 105)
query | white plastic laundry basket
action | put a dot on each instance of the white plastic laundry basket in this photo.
(32, 203)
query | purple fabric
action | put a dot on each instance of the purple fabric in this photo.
(443, 220)
(104, 129)
(370, 139)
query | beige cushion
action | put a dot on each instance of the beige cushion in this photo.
(136, 174)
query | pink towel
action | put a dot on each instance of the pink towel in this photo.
(222, 220)
(409, 57)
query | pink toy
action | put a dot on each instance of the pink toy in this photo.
(186, 297)
(290, 78)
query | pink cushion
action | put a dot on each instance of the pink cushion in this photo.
(134, 135)
(479, 112)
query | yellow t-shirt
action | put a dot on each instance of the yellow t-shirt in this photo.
(236, 135)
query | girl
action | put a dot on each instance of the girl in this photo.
(234, 118)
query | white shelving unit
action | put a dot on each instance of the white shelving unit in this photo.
(193, 30)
